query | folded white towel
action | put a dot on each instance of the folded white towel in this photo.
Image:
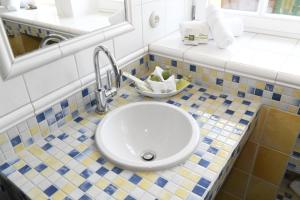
(194, 32)
(165, 86)
(220, 32)
(235, 25)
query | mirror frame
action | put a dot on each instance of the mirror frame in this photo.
(11, 67)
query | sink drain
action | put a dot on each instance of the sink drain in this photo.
(148, 156)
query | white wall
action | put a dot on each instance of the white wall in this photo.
(39, 88)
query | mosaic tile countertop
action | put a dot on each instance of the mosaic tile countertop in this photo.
(67, 164)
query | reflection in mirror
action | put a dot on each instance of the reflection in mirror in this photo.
(31, 25)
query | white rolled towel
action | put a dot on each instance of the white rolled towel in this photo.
(194, 32)
(235, 25)
(220, 32)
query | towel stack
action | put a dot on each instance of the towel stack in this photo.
(213, 27)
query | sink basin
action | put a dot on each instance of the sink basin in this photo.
(147, 136)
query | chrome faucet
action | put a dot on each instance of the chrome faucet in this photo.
(102, 93)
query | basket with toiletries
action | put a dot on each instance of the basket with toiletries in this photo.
(159, 84)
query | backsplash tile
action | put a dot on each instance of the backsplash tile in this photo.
(283, 98)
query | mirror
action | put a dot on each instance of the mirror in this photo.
(34, 25)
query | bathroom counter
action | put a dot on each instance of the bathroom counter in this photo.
(67, 164)
(264, 57)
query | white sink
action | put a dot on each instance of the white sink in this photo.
(147, 136)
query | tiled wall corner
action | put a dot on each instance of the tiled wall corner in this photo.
(267, 159)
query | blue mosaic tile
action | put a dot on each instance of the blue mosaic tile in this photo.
(227, 102)
(243, 121)
(47, 146)
(85, 92)
(219, 81)
(213, 97)
(49, 138)
(204, 182)
(40, 167)
(75, 114)
(241, 94)
(249, 113)
(230, 112)
(4, 166)
(50, 190)
(161, 182)
(25, 169)
(193, 68)
(141, 61)
(202, 90)
(63, 170)
(269, 87)
(203, 163)
(135, 179)
(276, 97)
(111, 189)
(247, 103)
(64, 104)
(198, 190)
(73, 153)
(213, 150)
(202, 98)
(78, 119)
(133, 72)
(174, 63)
(85, 197)
(85, 186)
(235, 79)
(101, 161)
(63, 136)
(15, 141)
(152, 57)
(102, 171)
(117, 170)
(259, 92)
(40, 117)
(129, 198)
(59, 116)
(207, 140)
(82, 138)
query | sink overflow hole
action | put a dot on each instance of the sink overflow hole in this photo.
(148, 156)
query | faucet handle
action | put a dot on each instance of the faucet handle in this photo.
(109, 79)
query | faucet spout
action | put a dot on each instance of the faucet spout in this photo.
(102, 93)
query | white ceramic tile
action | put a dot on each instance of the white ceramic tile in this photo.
(174, 14)
(130, 42)
(151, 34)
(13, 95)
(85, 59)
(273, 43)
(170, 46)
(289, 72)
(208, 54)
(51, 77)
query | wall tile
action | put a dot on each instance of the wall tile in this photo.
(257, 132)
(85, 62)
(246, 159)
(226, 196)
(281, 130)
(270, 165)
(236, 183)
(151, 34)
(13, 95)
(51, 77)
(130, 42)
(260, 190)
